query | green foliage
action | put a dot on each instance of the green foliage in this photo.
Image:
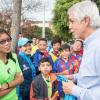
(98, 3)
(37, 31)
(60, 20)
(48, 33)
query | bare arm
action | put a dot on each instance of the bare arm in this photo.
(4, 92)
(17, 80)
(6, 88)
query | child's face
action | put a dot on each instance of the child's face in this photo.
(56, 47)
(77, 46)
(45, 68)
(65, 53)
(42, 45)
(34, 41)
(26, 48)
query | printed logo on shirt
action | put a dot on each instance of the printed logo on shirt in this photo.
(25, 67)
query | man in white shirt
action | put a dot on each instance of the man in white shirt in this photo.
(84, 21)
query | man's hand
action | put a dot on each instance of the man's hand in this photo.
(67, 87)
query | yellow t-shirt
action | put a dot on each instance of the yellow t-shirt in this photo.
(34, 48)
(54, 58)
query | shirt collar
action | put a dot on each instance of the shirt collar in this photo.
(92, 37)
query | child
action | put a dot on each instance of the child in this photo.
(43, 86)
(56, 44)
(34, 44)
(63, 65)
(40, 53)
(77, 52)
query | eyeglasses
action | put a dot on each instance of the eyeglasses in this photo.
(2, 42)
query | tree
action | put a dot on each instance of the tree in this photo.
(60, 20)
(16, 19)
(30, 7)
(37, 31)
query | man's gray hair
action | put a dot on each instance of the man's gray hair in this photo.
(85, 9)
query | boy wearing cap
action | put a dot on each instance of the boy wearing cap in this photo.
(27, 67)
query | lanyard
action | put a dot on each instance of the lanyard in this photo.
(49, 86)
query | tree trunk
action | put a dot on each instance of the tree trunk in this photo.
(15, 27)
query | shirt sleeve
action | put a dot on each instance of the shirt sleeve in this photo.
(97, 60)
(89, 94)
(85, 94)
(35, 87)
(35, 60)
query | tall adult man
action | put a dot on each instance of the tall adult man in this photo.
(84, 21)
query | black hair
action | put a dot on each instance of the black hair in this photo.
(43, 39)
(44, 59)
(56, 40)
(80, 42)
(9, 55)
(65, 46)
(3, 31)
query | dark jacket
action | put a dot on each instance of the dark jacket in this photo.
(39, 88)
(24, 88)
(37, 56)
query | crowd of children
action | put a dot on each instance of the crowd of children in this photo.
(41, 67)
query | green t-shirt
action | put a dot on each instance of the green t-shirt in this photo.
(7, 74)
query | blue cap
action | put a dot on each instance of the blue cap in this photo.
(23, 41)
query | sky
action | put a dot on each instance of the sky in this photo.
(39, 15)
(31, 15)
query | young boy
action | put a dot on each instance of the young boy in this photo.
(77, 52)
(40, 53)
(43, 86)
(63, 65)
(34, 44)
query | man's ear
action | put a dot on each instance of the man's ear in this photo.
(87, 21)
